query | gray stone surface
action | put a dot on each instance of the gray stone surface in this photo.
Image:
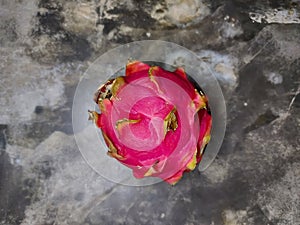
(45, 47)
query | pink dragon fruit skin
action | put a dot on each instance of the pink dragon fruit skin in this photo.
(153, 121)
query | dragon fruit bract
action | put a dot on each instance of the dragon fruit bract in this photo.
(153, 121)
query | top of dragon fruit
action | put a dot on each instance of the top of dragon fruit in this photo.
(153, 121)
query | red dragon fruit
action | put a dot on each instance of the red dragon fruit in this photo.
(153, 121)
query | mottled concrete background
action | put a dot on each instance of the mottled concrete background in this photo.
(252, 46)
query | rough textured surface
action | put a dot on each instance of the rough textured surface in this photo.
(46, 45)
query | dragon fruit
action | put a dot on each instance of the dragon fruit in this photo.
(153, 121)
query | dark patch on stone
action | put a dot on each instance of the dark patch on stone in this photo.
(147, 5)
(49, 23)
(66, 46)
(44, 169)
(117, 11)
(3, 130)
(98, 10)
(100, 15)
(37, 130)
(30, 189)
(159, 11)
(275, 4)
(123, 39)
(262, 120)
(109, 25)
(250, 29)
(39, 109)
(79, 196)
(50, 4)
(231, 9)
(214, 5)
(80, 48)
(133, 18)
(280, 4)
(13, 197)
(30, 134)
(65, 116)
(240, 12)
